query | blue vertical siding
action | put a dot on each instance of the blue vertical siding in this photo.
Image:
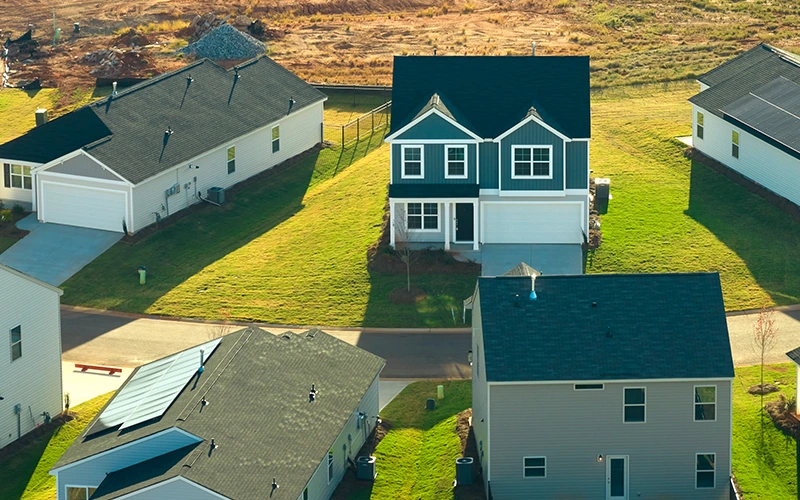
(488, 154)
(532, 134)
(577, 165)
(434, 165)
(434, 127)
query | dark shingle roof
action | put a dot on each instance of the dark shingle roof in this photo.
(660, 326)
(434, 190)
(210, 112)
(257, 385)
(794, 355)
(743, 74)
(494, 93)
(56, 137)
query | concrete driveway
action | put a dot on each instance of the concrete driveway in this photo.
(53, 252)
(497, 259)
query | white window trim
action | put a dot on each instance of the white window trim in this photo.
(694, 406)
(700, 116)
(12, 343)
(625, 405)
(737, 144)
(227, 161)
(531, 147)
(601, 388)
(86, 488)
(713, 471)
(447, 161)
(331, 466)
(22, 176)
(272, 141)
(423, 230)
(524, 467)
(403, 148)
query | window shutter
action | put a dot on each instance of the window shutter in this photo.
(6, 175)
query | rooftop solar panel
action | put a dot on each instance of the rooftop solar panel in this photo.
(152, 389)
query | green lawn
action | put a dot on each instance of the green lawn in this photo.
(416, 459)
(670, 215)
(18, 107)
(25, 474)
(765, 471)
(5, 243)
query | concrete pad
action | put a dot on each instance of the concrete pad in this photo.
(389, 389)
(686, 139)
(497, 259)
(740, 329)
(83, 386)
(54, 252)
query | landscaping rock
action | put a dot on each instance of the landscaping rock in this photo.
(226, 43)
(758, 389)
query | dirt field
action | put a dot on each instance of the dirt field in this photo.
(353, 41)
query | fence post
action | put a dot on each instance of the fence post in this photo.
(358, 129)
(373, 120)
(342, 136)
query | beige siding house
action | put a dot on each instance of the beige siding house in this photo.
(30, 356)
(613, 387)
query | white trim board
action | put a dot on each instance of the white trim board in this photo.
(528, 119)
(608, 381)
(172, 480)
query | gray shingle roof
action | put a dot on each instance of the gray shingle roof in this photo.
(644, 326)
(259, 415)
(794, 355)
(743, 74)
(207, 113)
(491, 94)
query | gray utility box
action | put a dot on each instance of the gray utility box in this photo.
(602, 186)
(217, 195)
(463, 471)
(365, 468)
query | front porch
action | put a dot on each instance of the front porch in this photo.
(450, 224)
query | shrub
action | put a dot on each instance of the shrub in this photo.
(17, 209)
(5, 215)
(468, 8)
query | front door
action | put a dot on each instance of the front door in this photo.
(465, 222)
(617, 477)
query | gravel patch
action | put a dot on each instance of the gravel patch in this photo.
(226, 42)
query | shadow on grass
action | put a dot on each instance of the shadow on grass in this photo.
(17, 469)
(763, 236)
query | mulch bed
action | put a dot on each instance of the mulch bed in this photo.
(28, 438)
(9, 229)
(752, 186)
(783, 416)
(406, 296)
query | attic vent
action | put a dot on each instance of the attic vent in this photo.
(311, 334)
(608, 333)
(312, 394)
(516, 300)
(594, 304)
(287, 335)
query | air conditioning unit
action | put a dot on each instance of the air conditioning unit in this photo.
(217, 195)
(365, 468)
(464, 471)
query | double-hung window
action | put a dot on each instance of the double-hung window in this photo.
(534, 467)
(17, 176)
(699, 125)
(304, 495)
(634, 404)
(330, 465)
(704, 469)
(79, 492)
(276, 138)
(705, 402)
(232, 159)
(423, 216)
(456, 162)
(16, 342)
(734, 143)
(532, 162)
(412, 162)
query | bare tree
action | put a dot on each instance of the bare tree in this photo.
(216, 330)
(403, 242)
(765, 335)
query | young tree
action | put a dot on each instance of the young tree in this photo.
(765, 334)
(403, 242)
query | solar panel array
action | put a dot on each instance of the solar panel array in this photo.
(772, 109)
(152, 389)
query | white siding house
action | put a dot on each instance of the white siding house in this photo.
(30, 356)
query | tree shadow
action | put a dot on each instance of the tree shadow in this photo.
(764, 237)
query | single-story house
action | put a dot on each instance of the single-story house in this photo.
(247, 415)
(597, 386)
(30, 364)
(747, 117)
(143, 153)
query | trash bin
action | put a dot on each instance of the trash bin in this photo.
(430, 404)
(142, 275)
(602, 186)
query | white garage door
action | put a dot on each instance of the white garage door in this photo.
(532, 223)
(83, 206)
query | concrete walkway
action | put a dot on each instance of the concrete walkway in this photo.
(54, 252)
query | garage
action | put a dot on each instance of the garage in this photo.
(83, 206)
(532, 222)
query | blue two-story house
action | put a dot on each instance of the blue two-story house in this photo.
(490, 150)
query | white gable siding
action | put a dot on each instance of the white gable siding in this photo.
(318, 486)
(571, 428)
(34, 380)
(174, 489)
(299, 132)
(92, 471)
(758, 161)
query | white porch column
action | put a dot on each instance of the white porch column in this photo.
(475, 245)
(391, 222)
(447, 226)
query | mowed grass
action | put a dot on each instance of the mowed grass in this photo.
(5, 243)
(18, 108)
(25, 473)
(670, 215)
(416, 458)
(765, 470)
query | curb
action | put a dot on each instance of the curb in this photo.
(792, 307)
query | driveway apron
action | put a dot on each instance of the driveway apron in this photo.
(497, 259)
(54, 252)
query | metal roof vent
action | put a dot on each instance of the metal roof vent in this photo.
(113, 88)
(594, 304)
(237, 75)
(201, 369)
(516, 300)
(274, 484)
(312, 394)
(291, 103)
(189, 79)
(533, 48)
(609, 335)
